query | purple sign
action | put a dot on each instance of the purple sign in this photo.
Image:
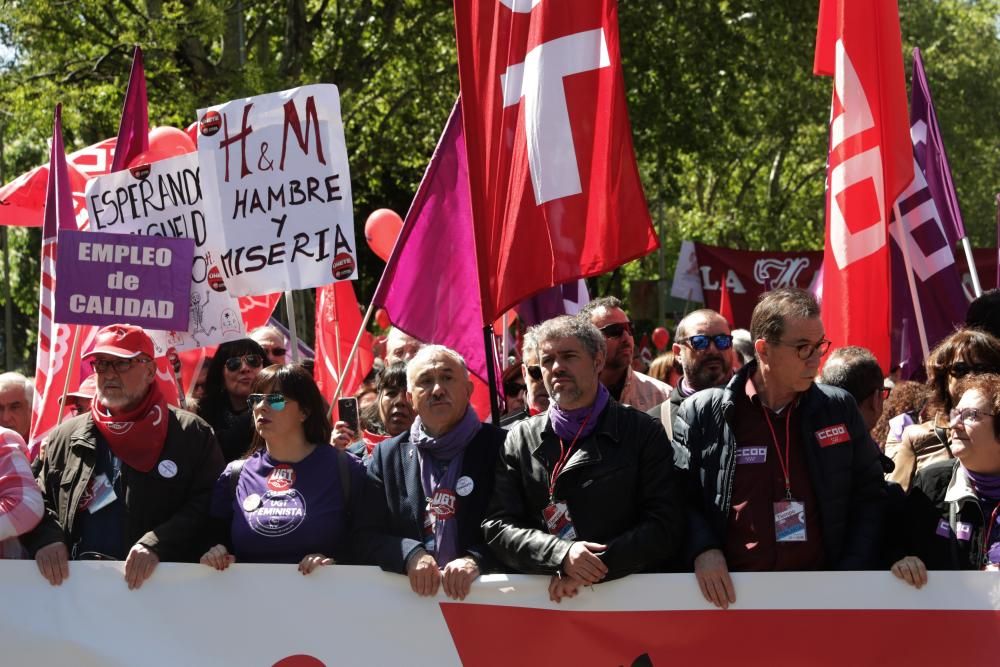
(123, 278)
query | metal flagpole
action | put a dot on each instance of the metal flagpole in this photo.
(290, 313)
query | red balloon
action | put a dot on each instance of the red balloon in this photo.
(661, 338)
(192, 132)
(381, 231)
(164, 142)
(382, 319)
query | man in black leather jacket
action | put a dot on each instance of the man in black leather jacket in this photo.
(586, 491)
(783, 473)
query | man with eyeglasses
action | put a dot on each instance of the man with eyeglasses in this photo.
(704, 345)
(627, 386)
(273, 343)
(783, 473)
(129, 480)
(536, 399)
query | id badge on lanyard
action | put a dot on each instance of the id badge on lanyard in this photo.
(789, 514)
(556, 513)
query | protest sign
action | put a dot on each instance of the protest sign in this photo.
(702, 270)
(165, 199)
(109, 278)
(278, 190)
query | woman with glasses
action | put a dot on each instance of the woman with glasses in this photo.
(952, 510)
(965, 352)
(224, 406)
(292, 498)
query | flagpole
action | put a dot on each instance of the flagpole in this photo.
(973, 272)
(506, 345)
(350, 356)
(918, 313)
(290, 313)
(491, 374)
(69, 373)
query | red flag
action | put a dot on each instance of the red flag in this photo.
(338, 321)
(726, 303)
(256, 310)
(555, 187)
(133, 129)
(870, 163)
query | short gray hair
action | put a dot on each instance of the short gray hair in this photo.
(428, 352)
(12, 378)
(572, 326)
(529, 344)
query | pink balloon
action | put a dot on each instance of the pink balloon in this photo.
(661, 338)
(381, 231)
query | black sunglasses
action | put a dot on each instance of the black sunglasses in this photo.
(961, 369)
(535, 372)
(251, 360)
(701, 342)
(616, 330)
(277, 351)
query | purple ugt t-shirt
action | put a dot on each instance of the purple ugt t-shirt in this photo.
(284, 511)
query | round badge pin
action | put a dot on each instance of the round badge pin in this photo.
(167, 468)
(251, 502)
(464, 485)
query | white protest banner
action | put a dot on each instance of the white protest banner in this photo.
(165, 199)
(278, 190)
(271, 615)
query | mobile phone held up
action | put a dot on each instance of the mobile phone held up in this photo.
(347, 408)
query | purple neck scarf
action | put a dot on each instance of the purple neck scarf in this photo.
(684, 388)
(987, 487)
(567, 423)
(440, 465)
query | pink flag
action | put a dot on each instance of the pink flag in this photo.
(430, 287)
(133, 130)
(54, 340)
(338, 321)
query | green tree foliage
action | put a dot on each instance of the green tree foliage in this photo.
(730, 125)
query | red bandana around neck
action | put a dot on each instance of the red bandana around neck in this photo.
(136, 437)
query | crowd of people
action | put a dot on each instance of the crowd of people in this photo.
(768, 449)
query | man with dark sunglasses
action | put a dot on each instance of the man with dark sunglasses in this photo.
(627, 386)
(783, 474)
(273, 343)
(704, 345)
(130, 479)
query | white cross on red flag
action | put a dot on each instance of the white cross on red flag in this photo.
(870, 163)
(555, 187)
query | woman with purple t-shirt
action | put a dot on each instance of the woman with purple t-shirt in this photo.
(291, 500)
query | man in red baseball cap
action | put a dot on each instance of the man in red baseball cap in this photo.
(129, 480)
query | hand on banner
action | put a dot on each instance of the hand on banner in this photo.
(53, 562)
(582, 562)
(312, 561)
(458, 576)
(139, 566)
(342, 435)
(713, 578)
(911, 570)
(218, 557)
(563, 587)
(425, 577)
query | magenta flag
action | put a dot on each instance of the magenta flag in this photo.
(430, 287)
(52, 357)
(133, 130)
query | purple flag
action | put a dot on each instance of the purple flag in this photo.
(133, 130)
(927, 289)
(565, 299)
(430, 286)
(928, 147)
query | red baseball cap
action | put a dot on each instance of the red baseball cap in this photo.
(122, 340)
(88, 388)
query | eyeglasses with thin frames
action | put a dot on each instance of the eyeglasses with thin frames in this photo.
(807, 350)
(967, 415)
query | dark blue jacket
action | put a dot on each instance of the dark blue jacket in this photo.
(846, 477)
(392, 520)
